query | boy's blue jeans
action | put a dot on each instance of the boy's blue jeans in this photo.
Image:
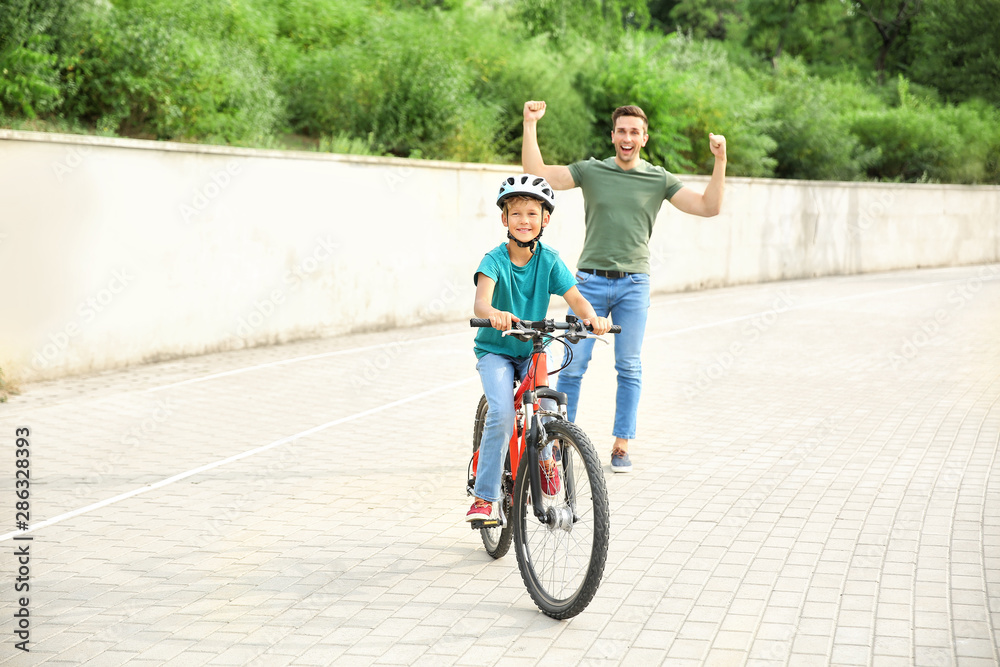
(498, 373)
(626, 300)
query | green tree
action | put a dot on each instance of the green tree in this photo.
(703, 19)
(604, 21)
(806, 28)
(958, 49)
(892, 21)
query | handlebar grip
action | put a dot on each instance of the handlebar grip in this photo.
(615, 329)
(480, 322)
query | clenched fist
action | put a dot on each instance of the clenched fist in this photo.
(717, 144)
(533, 110)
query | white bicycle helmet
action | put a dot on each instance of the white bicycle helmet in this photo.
(527, 185)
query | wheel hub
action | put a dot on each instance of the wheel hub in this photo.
(560, 518)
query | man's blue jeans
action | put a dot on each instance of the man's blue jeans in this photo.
(626, 301)
(498, 373)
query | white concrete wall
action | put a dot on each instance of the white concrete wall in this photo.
(116, 252)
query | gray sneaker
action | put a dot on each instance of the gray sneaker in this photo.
(620, 462)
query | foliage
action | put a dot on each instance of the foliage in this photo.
(8, 388)
(401, 84)
(915, 142)
(804, 28)
(959, 47)
(794, 85)
(702, 19)
(812, 134)
(29, 83)
(565, 20)
(140, 74)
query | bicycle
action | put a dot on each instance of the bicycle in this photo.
(561, 542)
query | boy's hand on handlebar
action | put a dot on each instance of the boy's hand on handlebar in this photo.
(600, 325)
(502, 320)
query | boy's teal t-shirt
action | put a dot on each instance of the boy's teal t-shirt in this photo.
(521, 290)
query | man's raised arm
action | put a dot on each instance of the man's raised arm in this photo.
(710, 203)
(558, 176)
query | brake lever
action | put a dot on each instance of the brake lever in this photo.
(587, 334)
(522, 335)
(578, 332)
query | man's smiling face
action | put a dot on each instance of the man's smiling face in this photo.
(628, 137)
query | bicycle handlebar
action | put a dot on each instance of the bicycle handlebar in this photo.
(545, 326)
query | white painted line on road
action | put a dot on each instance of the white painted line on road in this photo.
(236, 457)
(353, 350)
(282, 362)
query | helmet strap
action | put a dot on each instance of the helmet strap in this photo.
(526, 244)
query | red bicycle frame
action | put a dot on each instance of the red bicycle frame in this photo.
(538, 368)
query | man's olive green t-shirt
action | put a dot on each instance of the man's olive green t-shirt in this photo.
(620, 209)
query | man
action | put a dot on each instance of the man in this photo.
(622, 196)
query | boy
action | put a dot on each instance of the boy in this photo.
(515, 280)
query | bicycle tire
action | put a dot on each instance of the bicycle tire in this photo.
(496, 540)
(561, 583)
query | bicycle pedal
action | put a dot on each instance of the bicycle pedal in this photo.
(479, 524)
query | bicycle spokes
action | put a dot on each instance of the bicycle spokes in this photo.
(562, 553)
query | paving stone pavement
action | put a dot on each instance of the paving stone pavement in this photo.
(816, 483)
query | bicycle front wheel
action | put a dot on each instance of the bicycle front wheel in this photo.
(562, 559)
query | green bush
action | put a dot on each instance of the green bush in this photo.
(725, 99)
(133, 74)
(531, 70)
(447, 79)
(402, 84)
(813, 138)
(687, 90)
(29, 80)
(925, 141)
(321, 24)
(637, 74)
(908, 144)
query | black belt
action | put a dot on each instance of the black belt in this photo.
(607, 274)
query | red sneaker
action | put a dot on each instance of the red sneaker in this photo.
(481, 509)
(551, 485)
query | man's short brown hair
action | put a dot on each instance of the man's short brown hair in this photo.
(629, 110)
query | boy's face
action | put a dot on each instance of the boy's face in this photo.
(628, 137)
(524, 219)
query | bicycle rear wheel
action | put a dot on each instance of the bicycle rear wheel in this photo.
(562, 560)
(495, 539)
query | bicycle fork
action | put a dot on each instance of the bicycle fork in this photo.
(536, 440)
